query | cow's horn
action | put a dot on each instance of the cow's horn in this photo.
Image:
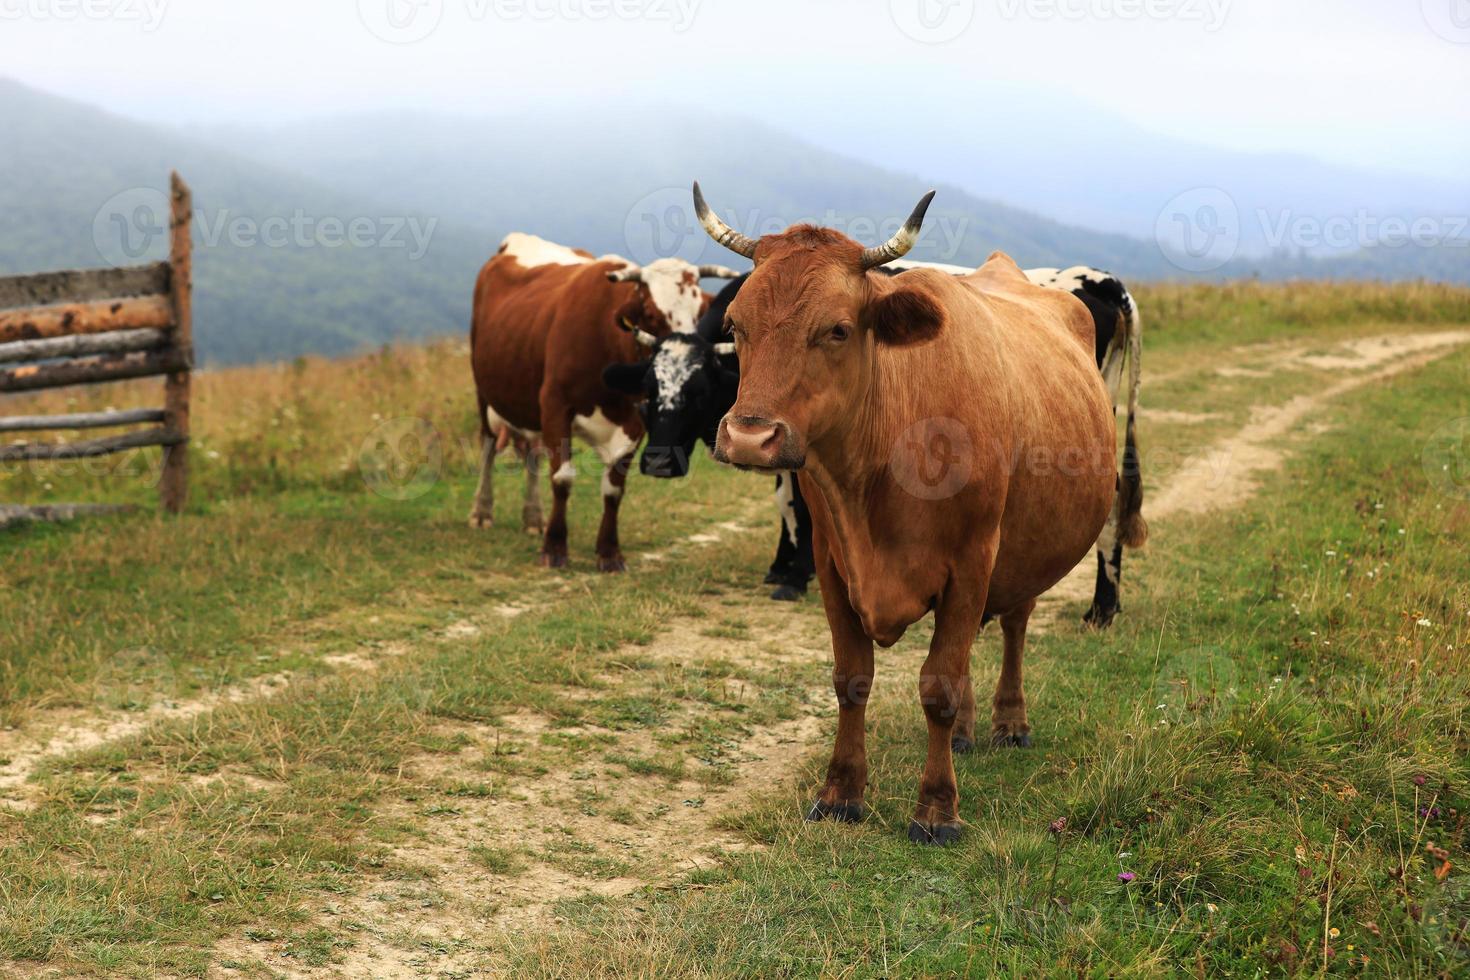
(899, 244)
(718, 272)
(724, 349)
(719, 231)
(645, 338)
(631, 274)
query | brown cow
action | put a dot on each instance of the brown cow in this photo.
(955, 443)
(547, 319)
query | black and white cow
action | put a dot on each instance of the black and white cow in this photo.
(689, 383)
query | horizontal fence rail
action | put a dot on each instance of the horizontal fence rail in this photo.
(66, 319)
(93, 370)
(157, 436)
(90, 326)
(82, 420)
(112, 342)
(84, 285)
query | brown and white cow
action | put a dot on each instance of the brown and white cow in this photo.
(547, 319)
(955, 443)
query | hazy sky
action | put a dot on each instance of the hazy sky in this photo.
(1380, 83)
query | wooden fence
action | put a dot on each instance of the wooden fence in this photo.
(97, 325)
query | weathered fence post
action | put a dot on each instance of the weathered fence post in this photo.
(95, 325)
(174, 486)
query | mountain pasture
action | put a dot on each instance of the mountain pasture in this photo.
(318, 727)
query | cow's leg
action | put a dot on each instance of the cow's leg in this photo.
(803, 565)
(1109, 575)
(785, 546)
(793, 567)
(942, 686)
(962, 739)
(1008, 725)
(609, 553)
(557, 438)
(841, 796)
(531, 519)
(482, 510)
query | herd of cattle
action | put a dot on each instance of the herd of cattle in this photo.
(942, 438)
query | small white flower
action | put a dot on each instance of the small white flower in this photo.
(1425, 622)
(1330, 553)
(1160, 707)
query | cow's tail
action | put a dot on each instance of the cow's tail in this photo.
(1132, 529)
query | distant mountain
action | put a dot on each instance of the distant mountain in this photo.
(1087, 166)
(617, 180)
(80, 188)
(348, 231)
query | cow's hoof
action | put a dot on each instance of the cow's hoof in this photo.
(841, 812)
(1011, 740)
(787, 593)
(961, 744)
(553, 560)
(481, 521)
(1099, 618)
(613, 564)
(934, 835)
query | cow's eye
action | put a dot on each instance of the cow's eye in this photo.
(837, 334)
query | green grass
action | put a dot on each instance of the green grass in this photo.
(1249, 742)
(1268, 688)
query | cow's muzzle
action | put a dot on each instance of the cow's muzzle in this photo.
(751, 442)
(664, 462)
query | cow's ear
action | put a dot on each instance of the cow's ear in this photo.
(905, 316)
(630, 315)
(626, 378)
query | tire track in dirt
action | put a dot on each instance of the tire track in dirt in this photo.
(582, 810)
(1228, 472)
(50, 735)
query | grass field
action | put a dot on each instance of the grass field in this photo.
(317, 726)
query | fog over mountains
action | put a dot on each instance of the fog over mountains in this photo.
(326, 236)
